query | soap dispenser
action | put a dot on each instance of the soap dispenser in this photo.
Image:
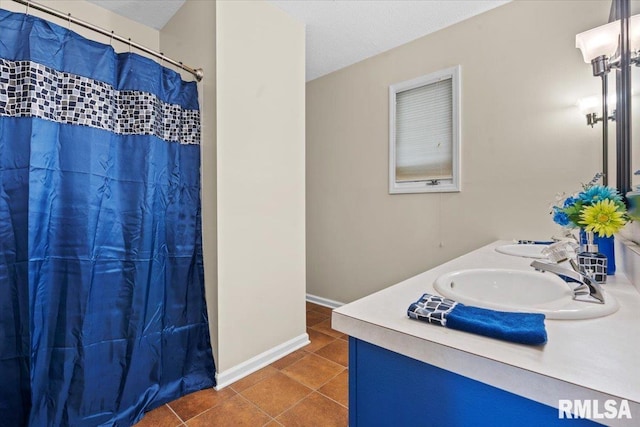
(591, 262)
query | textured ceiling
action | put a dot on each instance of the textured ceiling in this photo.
(152, 13)
(339, 32)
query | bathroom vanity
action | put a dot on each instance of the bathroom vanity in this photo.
(406, 372)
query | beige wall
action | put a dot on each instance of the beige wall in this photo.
(523, 140)
(260, 179)
(252, 170)
(190, 36)
(96, 15)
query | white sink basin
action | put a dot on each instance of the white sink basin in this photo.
(520, 291)
(526, 251)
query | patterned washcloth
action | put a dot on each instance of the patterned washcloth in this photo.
(522, 328)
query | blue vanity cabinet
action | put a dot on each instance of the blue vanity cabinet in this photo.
(389, 389)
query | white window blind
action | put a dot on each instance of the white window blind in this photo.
(423, 133)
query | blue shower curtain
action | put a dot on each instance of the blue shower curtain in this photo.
(102, 310)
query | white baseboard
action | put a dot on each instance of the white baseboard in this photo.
(324, 301)
(229, 376)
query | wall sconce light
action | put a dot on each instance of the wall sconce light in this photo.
(600, 46)
(590, 107)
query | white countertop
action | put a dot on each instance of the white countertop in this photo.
(583, 359)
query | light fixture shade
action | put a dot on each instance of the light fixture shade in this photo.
(602, 40)
(588, 105)
(593, 104)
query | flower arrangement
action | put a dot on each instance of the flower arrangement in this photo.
(596, 208)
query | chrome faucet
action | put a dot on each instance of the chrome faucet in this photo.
(588, 290)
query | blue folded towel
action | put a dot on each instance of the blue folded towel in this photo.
(522, 328)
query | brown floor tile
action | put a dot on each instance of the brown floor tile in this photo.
(320, 308)
(289, 359)
(318, 340)
(313, 318)
(254, 378)
(236, 411)
(325, 328)
(195, 403)
(276, 394)
(337, 351)
(317, 411)
(313, 371)
(162, 416)
(284, 389)
(338, 389)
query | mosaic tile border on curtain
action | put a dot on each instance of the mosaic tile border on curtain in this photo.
(67, 98)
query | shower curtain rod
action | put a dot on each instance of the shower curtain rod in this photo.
(197, 72)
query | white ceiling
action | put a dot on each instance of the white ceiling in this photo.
(341, 33)
(338, 32)
(152, 13)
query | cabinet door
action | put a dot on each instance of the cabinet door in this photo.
(389, 389)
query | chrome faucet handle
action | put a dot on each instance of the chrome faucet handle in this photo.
(588, 290)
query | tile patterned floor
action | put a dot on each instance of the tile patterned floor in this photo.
(306, 388)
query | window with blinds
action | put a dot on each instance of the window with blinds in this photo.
(424, 134)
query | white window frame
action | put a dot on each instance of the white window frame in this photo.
(427, 186)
